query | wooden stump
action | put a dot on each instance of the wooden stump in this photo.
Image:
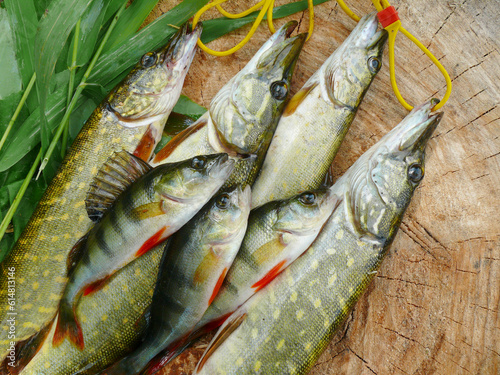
(433, 307)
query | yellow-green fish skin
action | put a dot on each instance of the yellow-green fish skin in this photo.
(112, 347)
(317, 118)
(285, 327)
(60, 219)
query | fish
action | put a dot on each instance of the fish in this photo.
(243, 115)
(106, 342)
(278, 233)
(193, 267)
(134, 111)
(156, 205)
(285, 327)
(317, 118)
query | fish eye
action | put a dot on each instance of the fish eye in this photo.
(374, 64)
(308, 198)
(223, 201)
(148, 60)
(415, 172)
(198, 162)
(279, 90)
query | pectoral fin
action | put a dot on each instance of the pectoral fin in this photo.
(154, 240)
(148, 210)
(269, 250)
(298, 98)
(205, 268)
(273, 272)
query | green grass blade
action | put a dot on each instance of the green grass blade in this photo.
(50, 40)
(18, 110)
(10, 78)
(90, 26)
(130, 21)
(10, 213)
(23, 21)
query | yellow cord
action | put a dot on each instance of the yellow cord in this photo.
(265, 6)
(393, 31)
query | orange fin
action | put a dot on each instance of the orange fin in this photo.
(96, 286)
(229, 327)
(116, 174)
(269, 250)
(25, 350)
(147, 144)
(76, 253)
(269, 276)
(67, 324)
(151, 242)
(298, 98)
(165, 356)
(217, 286)
(148, 210)
(166, 151)
(205, 268)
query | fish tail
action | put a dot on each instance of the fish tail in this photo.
(67, 324)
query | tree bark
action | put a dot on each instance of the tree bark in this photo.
(433, 306)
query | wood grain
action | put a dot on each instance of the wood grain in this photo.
(433, 307)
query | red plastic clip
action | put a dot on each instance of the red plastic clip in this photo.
(388, 16)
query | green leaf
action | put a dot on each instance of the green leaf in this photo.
(130, 21)
(42, 7)
(10, 79)
(23, 20)
(50, 40)
(213, 29)
(90, 26)
(189, 108)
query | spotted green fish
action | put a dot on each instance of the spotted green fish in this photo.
(244, 113)
(278, 232)
(148, 211)
(120, 333)
(317, 118)
(284, 328)
(135, 110)
(194, 265)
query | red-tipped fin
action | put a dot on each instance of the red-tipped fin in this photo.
(154, 240)
(147, 144)
(165, 356)
(95, 286)
(68, 325)
(148, 210)
(217, 286)
(275, 271)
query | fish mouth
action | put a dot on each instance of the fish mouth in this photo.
(282, 50)
(222, 166)
(182, 46)
(366, 33)
(418, 126)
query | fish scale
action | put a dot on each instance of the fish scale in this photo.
(284, 328)
(60, 219)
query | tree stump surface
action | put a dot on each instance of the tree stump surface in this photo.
(433, 306)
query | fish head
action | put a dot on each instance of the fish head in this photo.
(305, 213)
(228, 216)
(382, 181)
(188, 180)
(351, 69)
(247, 108)
(150, 89)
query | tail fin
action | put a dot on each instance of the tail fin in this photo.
(67, 324)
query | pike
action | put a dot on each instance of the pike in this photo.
(156, 204)
(131, 118)
(316, 120)
(245, 112)
(285, 327)
(123, 301)
(193, 267)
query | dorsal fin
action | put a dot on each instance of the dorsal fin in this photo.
(119, 171)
